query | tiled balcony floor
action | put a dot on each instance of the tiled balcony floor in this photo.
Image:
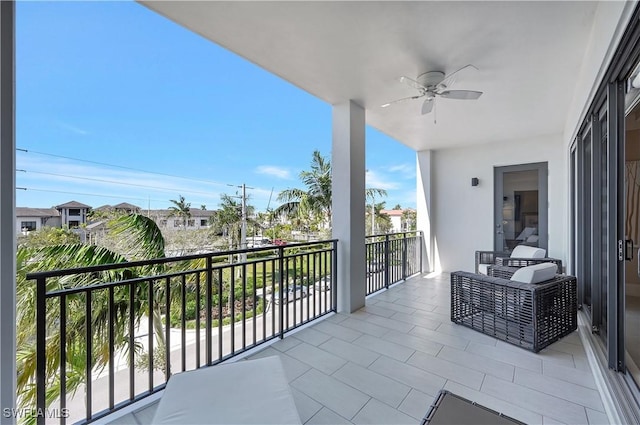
(386, 363)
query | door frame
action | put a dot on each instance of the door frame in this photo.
(543, 201)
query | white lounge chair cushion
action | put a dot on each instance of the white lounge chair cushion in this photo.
(484, 268)
(536, 273)
(245, 392)
(524, 251)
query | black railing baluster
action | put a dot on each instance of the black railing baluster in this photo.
(41, 344)
(264, 300)
(89, 357)
(150, 336)
(281, 289)
(334, 274)
(132, 352)
(63, 357)
(220, 317)
(112, 337)
(198, 320)
(167, 328)
(244, 306)
(208, 324)
(183, 322)
(254, 303)
(232, 314)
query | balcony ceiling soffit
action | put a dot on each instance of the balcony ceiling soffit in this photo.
(529, 56)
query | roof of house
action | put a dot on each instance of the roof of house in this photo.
(126, 206)
(392, 213)
(36, 212)
(73, 204)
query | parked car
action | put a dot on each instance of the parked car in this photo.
(323, 284)
(292, 293)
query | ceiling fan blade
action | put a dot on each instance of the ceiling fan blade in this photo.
(400, 100)
(427, 106)
(411, 83)
(451, 78)
(461, 94)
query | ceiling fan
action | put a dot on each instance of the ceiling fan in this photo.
(434, 84)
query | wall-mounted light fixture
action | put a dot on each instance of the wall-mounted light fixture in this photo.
(474, 181)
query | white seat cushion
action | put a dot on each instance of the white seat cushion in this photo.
(523, 251)
(484, 268)
(536, 273)
(245, 392)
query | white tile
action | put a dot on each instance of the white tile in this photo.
(547, 355)
(338, 331)
(351, 352)
(286, 343)
(464, 332)
(374, 309)
(396, 307)
(441, 338)
(412, 376)
(146, 414)
(569, 374)
(312, 336)
(384, 347)
(416, 320)
(305, 405)
(416, 404)
(386, 322)
(364, 327)
(376, 412)
(495, 403)
(415, 343)
(416, 304)
(337, 318)
(327, 417)
(377, 386)
(597, 418)
(346, 401)
(477, 362)
(313, 356)
(446, 369)
(128, 419)
(292, 368)
(518, 358)
(536, 401)
(565, 390)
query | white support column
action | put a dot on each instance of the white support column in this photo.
(348, 204)
(424, 190)
(7, 212)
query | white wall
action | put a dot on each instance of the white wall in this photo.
(462, 216)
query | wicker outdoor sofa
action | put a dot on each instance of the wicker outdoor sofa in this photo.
(501, 258)
(529, 315)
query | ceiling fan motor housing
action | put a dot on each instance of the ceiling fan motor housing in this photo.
(430, 79)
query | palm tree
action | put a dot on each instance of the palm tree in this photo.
(141, 239)
(180, 209)
(316, 199)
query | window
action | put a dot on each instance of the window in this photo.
(28, 226)
(191, 223)
(73, 224)
(74, 211)
(177, 223)
(204, 222)
(163, 223)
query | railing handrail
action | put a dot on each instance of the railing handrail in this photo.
(164, 260)
(380, 235)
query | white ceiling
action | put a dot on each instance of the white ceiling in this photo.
(528, 55)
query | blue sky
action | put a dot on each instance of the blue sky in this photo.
(155, 111)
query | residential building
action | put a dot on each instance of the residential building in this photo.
(398, 223)
(30, 219)
(73, 214)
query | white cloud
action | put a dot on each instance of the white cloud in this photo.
(406, 170)
(379, 181)
(71, 128)
(279, 172)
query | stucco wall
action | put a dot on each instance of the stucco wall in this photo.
(463, 214)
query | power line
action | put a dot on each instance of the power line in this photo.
(113, 182)
(94, 194)
(119, 166)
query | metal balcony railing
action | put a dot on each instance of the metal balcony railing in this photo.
(108, 336)
(391, 258)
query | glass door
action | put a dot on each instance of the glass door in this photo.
(521, 206)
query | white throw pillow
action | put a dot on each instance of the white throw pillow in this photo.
(536, 273)
(524, 251)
